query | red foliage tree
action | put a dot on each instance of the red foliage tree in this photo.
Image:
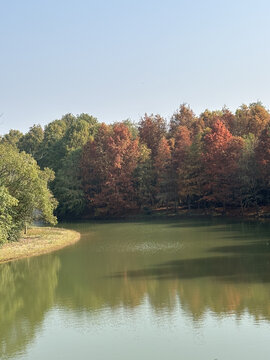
(151, 130)
(163, 170)
(221, 155)
(182, 141)
(184, 116)
(181, 147)
(107, 168)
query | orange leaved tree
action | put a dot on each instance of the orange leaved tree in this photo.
(107, 168)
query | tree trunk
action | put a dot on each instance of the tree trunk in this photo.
(242, 207)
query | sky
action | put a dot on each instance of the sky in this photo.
(119, 59)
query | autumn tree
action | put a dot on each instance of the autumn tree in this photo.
(221, 156)
(107, 166)
(151, 130)
(184, 116)
(209, 118)
(163, 167)
(181, 144)
(132, 126)
(218, 157)
(251, 119)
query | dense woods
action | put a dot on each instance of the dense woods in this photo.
(218, 159)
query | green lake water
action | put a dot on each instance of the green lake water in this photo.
(192, 289)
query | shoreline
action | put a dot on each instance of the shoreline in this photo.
(38, 241)
(250, 214)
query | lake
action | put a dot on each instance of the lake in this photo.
(191, 289)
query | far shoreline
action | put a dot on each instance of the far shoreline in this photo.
(250, 214)
(38, 241)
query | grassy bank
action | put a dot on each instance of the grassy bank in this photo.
(39, 240)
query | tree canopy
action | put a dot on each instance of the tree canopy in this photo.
(24, 193)
(216, 159)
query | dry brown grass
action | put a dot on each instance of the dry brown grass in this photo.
(39, 240)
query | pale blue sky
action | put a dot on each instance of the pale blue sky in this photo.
(119, 59)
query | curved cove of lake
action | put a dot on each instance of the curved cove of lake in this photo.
(157, 289)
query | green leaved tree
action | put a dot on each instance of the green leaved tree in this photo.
(24, 194)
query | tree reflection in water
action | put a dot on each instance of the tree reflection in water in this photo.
(229, 273)
(27, 292)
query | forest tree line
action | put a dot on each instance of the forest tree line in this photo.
(216, 159)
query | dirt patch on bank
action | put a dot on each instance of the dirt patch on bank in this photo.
(39, 240)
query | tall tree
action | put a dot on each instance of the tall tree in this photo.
(184, 116)
(209, 118)
(246, 182)
(31, 141)
(21, 179)
(251, 119)
(190, 174)
(81, 130)
(107, 165)
(144, 180)
(7, 211)
(163, 166)
(221, 156)
(151, 130)
(53, 149)
(11, 138)
(182, 142)
(67, 187)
